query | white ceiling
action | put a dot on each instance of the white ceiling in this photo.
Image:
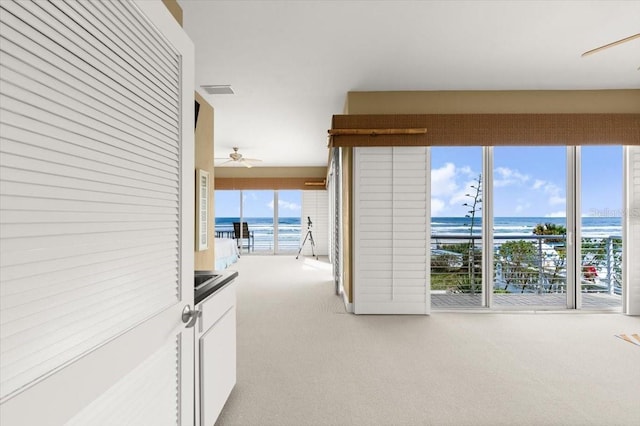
(291, 63)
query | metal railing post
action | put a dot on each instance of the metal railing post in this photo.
(540, 266)
(609, 248)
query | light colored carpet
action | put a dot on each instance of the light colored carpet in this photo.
(302, 360)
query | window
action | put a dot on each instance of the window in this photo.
(272, 217)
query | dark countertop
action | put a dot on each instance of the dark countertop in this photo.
(207, 288)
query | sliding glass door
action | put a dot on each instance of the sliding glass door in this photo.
(227, 209)
(262, 221)
(530, 227)
(258, 208)
(456, 228)
(601, 231)
(289, 209)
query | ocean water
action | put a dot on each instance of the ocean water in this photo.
(504, 226)
(289, 228)
(262, 228)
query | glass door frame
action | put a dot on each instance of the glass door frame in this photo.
(275, 219)
(573, 215)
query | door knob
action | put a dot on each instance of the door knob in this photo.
(190, 316)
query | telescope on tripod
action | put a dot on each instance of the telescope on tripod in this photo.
(310, 237)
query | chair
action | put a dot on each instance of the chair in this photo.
(246, 234)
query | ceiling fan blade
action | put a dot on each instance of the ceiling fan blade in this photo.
(245, 163)
(615, 43)
(253, 160)
(226, 162)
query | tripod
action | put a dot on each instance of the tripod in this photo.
(310, 236)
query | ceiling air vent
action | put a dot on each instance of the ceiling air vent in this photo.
(218, 89)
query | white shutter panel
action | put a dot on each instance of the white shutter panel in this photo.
(90, 177)
(411, 228)
(631, 223)
(315, 204)
(391, 231)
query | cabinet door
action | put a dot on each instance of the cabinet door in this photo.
(96, 228)
(217, 366)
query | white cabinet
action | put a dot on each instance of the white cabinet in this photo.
(215, 353)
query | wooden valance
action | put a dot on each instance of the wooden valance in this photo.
(253, 183)
(485, 129)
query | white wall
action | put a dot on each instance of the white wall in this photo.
(315, 204)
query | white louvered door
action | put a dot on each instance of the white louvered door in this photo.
(391, 231)
(631, 223)
(96, 214)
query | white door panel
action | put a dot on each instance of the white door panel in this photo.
(96, 214)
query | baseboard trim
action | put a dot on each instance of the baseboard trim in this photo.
(348, 306)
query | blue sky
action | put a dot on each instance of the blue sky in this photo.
(528, 181)
(258, 203)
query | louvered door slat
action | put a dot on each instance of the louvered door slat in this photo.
(137, 35)
(34, 49)
(21, 55)
(79, 160)
(53, 192)
(84, 277)
(16, 320)
(81, 178)
(82, 240)
(114, 49)
(88, 244)
(30, 105)
(33, 87)
(157, 67)
(41, 19)
(95, 184)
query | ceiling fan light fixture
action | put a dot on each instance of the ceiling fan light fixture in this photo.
(237, 159)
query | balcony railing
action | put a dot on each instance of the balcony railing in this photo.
(263, 238)
(525, 264)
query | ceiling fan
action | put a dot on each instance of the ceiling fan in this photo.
(608, 45)
(236, 159)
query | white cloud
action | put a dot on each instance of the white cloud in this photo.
(561, 213)
(437, 206)
(553, 191)
(448, 189)
(538, 184)
(504, 176)
(285, 205)
(443, 180)
(556, 200)
(461, 196)
(466, 170)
